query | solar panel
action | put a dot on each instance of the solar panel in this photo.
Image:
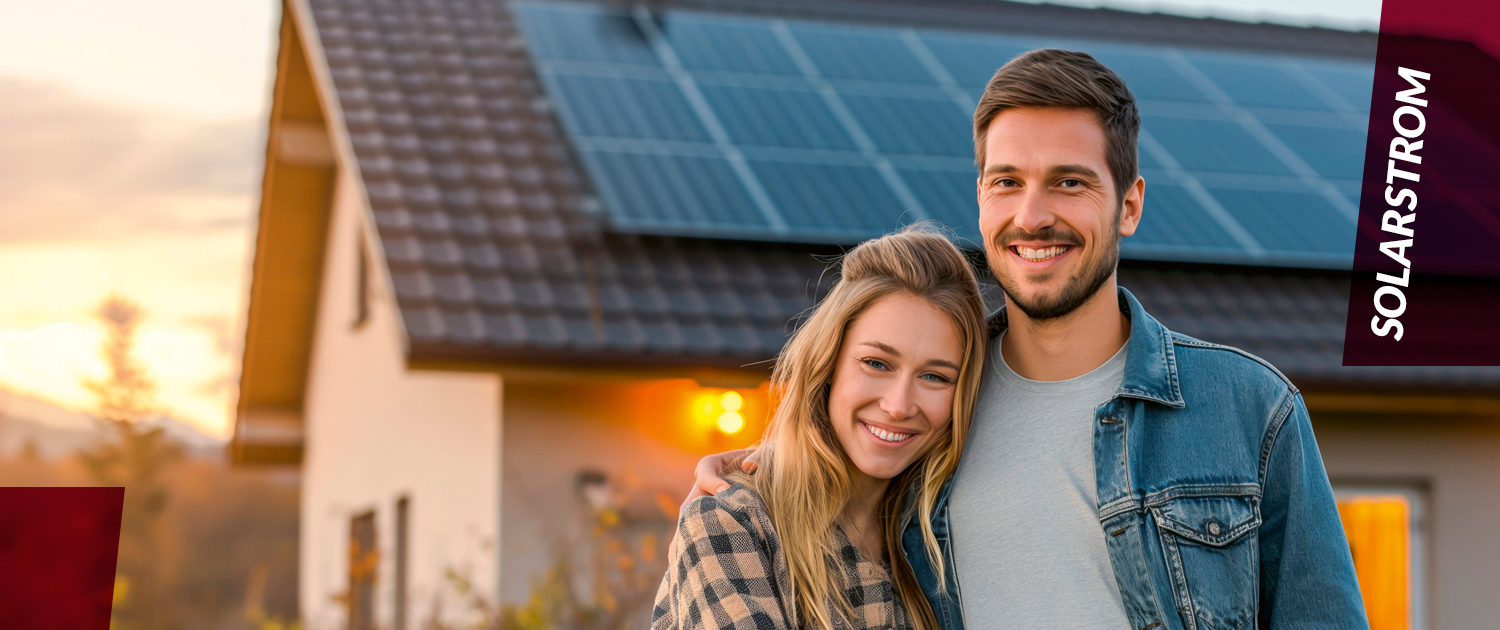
(1215, 146)
(776, 117)
(1152, 77)
(1294, 223)
(618, 107)
(1146, 161)
(729, 126)
(913, 126)
(949, 198)
(719, 45)
(1173, 222)
(568, 32)
(1353, 84)
(680, 193)
(860, 54)
(1261, 82)
(972, 61)
(1331, 151)
(831, 198)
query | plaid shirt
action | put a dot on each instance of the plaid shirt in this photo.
(726, 569)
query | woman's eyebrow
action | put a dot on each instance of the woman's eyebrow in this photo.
(896, 353)
(944, 363)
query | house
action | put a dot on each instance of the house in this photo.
(521, 263)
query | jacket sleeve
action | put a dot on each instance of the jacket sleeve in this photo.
(720, 573)
(1306, 572)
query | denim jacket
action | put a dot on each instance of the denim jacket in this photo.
(1216, 509)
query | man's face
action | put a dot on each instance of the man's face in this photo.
(1048, 209)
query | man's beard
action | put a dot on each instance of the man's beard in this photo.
(1079, 289)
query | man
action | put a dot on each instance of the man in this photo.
(1118, 475)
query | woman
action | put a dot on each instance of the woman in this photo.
(874, 398)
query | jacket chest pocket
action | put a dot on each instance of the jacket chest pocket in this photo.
(1210, 548)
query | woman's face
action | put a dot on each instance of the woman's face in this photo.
(893, 383)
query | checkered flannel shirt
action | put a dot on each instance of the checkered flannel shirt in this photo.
(726, 570)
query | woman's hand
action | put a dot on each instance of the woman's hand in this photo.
(706, 479)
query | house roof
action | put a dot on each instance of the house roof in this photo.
(499, 253)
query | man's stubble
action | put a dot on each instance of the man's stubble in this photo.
(1079, 288)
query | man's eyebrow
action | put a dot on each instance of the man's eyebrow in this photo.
(896, 353)
(994, 169)
(1074, 169)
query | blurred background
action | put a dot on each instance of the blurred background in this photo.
(397, 314)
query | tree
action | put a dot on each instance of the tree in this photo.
(134, 458)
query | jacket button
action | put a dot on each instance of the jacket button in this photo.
(1213, 529)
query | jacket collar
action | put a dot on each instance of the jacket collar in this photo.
(1150, 359)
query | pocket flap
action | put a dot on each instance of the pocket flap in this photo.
(1213, 521)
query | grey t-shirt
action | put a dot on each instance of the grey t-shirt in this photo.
(1027, 543)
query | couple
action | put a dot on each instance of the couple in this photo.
(1069, 463)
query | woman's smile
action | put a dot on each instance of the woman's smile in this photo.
(888, 436)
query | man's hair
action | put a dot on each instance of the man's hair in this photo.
(1050, 77)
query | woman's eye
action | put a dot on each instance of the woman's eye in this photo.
(936, 378)
(875, 363)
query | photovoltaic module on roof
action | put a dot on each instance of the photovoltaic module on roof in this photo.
(756, 128)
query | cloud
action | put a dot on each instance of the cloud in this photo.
(74, 168)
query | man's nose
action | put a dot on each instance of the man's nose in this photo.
(1034, 214)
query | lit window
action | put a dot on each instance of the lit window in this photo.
(1383, 526)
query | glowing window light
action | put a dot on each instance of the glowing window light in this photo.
(731, 401)
(1378, 528)
(731, 422)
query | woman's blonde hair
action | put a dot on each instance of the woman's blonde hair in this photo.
(803, 473)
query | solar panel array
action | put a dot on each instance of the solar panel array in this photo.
(723, 126)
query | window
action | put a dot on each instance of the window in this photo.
(1385, 529)
(364, 562)
(403, 506)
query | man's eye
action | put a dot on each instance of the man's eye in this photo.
(1071, 183)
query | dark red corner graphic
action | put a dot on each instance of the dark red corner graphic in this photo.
(57, 556)
(1426, 275)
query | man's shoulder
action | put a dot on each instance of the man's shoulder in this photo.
(1198, 356)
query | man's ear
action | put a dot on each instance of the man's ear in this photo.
(1131, 206)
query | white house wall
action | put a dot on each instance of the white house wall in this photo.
(376, 432)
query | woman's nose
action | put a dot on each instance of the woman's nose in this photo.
(899, 402)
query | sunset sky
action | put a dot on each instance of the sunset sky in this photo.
(131, 139)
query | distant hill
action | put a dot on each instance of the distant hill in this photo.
(56, 432)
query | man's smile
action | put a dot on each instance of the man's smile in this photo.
(1039, 254)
